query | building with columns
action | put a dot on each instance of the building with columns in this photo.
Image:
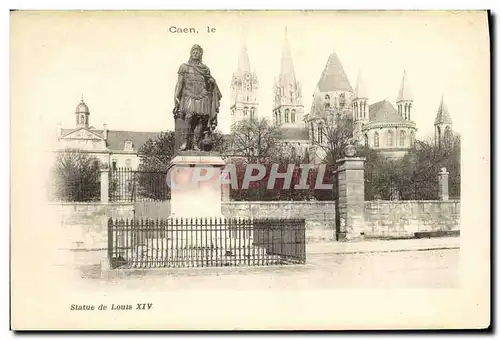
(117, 148)
(244, 90)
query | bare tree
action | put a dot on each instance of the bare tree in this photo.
(333, 131)
(255, 140)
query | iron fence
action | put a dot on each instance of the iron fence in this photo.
(379, 186)
(126, 185)
(205, 242)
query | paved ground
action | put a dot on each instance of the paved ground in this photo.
(426, 263)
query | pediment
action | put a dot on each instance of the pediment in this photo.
(82, 133)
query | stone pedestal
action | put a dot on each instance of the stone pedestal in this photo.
(351, 199)
(443, 185)
(194, 179)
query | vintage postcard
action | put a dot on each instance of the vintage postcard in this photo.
(271, 170)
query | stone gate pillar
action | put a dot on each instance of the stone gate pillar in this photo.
(351, 196)
(104, 183)
(443, 185)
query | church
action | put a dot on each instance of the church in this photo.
(379, 125)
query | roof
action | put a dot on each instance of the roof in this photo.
(82, 107)
(333, 77)
(443, 116)
(384, 112)
(300, 133)
(405, 92)
(116, 139)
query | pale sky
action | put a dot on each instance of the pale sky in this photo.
(125, 63)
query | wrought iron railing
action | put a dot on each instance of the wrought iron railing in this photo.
(205, 242)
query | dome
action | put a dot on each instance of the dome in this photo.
(82, 108)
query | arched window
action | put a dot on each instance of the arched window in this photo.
(364, 109)
(287, 118)
(342, 100)
(320, 133)
(389, 138)
(376, 140)
(293, 116)
(252, 113)
(412, 139)
(366, 139)
(245, 111)
(312, 132)
(409, 111)
(327, 101)
(275, 117)
(402, 137)
(447, 134)
(438, 135)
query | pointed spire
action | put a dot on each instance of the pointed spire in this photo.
(361, 89)
(333, 77)
(443, 115)
(287, 70)
(244, 60)
(405, 93)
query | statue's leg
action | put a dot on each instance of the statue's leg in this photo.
(198, 133)
(188, 132)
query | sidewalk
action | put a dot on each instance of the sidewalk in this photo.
(372, 246)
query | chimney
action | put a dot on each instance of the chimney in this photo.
(105, 131)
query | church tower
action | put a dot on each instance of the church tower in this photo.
(82, 114)
(443, 125)
(360, 112)
(288, 110)
(244, 90)
(405, 98)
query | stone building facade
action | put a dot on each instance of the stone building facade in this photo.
(116, 148)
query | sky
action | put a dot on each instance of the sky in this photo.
(125, 63)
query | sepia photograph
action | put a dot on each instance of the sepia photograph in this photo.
(250, 170)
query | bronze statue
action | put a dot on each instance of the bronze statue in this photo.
(197, 101)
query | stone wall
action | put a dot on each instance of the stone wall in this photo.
(85, 224)
(319, 215)
(401, 219)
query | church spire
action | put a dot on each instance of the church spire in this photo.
(361, 89)
(244, 60)
(405, 93)
(405, 98)
(287, 70)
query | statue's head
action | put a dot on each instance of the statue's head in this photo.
(196, 53)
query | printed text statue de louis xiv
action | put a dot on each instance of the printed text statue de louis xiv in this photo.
(197, 100)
